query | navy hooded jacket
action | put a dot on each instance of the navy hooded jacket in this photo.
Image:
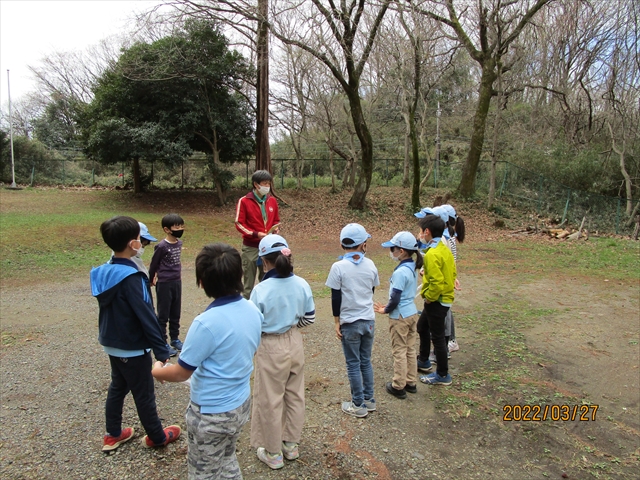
(126, 319)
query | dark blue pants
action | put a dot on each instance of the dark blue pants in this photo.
(169, 306)
(431, 328)
(133, 375)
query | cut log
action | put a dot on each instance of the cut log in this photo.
(563, 234)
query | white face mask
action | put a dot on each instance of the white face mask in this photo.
(393, 257)
(137, 250)
(140, 252)
(263, 190)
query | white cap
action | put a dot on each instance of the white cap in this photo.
(404, 240)
(271, 243)
(356, 233)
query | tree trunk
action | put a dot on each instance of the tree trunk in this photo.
(137, 178)
(407, 156)
(494, 148)
(415, 190)
(263, 151)
(470, 169)
(623, 169)
(358, 199)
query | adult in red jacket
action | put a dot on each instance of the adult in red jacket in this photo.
(256, 216)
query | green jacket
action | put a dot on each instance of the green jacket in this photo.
(439, 275)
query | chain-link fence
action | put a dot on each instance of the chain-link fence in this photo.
(515, 185)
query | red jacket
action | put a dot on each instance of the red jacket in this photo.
(249, 218)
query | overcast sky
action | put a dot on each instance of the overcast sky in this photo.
(32, 29)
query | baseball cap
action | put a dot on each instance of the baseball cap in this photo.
(424, 212)
(271, 243)
(404, 240)
(450, 210)
(144, 233)
(356, 233)
(442, 212)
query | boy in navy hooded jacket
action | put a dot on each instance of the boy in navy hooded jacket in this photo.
(128, 330)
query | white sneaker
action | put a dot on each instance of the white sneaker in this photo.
(273, 461)
(453, 346)
(290, 452)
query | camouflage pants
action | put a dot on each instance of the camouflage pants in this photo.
(212, 442)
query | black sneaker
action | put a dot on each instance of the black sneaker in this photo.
(395, 392)
(411, 388)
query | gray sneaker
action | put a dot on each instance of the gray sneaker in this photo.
(351, 409)
(370, 405)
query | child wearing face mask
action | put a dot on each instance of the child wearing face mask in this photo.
(128, 330)
(403, 314)
(165, 274)
(145, 239)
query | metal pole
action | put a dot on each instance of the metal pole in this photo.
(566, 207)
(33, 173)
(438, 112)
(13, 169)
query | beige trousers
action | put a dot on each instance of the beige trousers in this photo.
(403, 345)
(277, 413)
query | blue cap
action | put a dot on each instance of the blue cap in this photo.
(424, 212)
(450, 210)
(144, 233)
(355, 232)
(271, 243)
(404, 240)
(442, 212)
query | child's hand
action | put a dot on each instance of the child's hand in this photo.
(456, 285)
(338, 332)
(156, 368)
(378, 307)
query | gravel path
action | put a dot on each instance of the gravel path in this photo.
(55, 378)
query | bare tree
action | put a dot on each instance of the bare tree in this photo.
(342, 37)
(622, 95)
(487, 31)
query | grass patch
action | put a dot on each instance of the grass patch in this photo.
(615, 259)
(55, 234)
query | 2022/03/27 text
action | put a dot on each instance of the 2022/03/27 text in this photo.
(541, 413)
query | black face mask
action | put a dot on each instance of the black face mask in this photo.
(177, 233)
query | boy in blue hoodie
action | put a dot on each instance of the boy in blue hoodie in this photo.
(128, 330)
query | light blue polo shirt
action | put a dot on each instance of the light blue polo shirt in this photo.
(282, 301)
(219, 349)
(356, 283)
(405, 279)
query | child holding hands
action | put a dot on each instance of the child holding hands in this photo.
(403, 314)
(277, 415)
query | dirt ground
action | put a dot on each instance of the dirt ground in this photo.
(578, 345)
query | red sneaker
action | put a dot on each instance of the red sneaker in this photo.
(111, 443)
(172, 432)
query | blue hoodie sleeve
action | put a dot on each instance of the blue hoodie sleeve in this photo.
(139, 298)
